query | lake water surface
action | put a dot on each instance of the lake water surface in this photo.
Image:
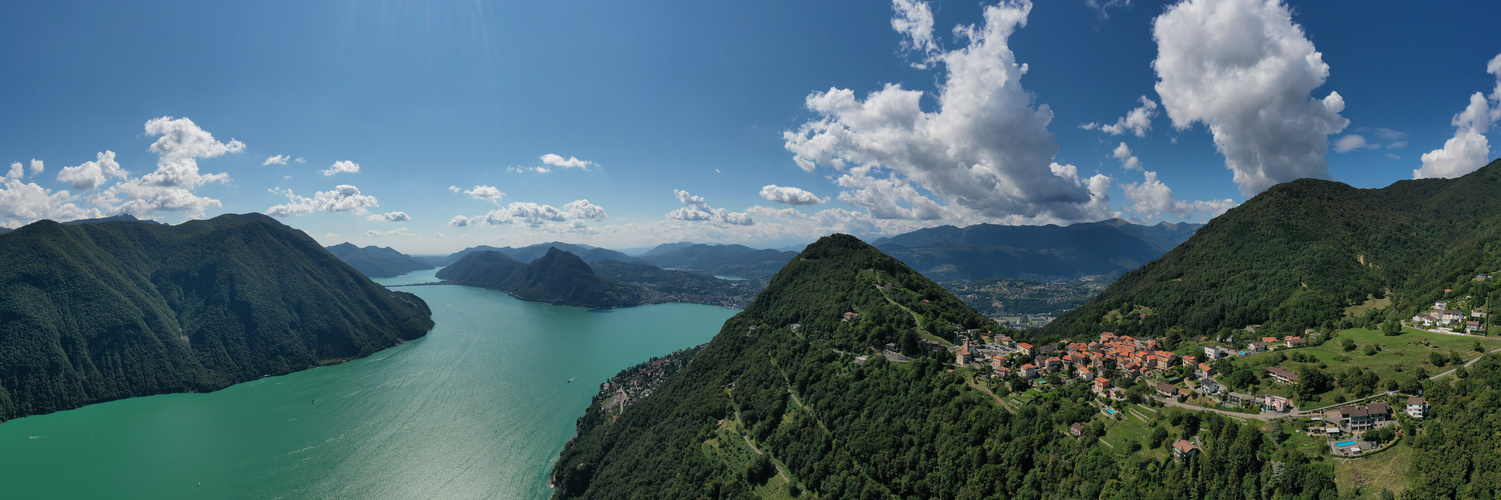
(478, 408)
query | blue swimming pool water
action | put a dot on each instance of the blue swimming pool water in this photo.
(1345, 443)
(1110, 411)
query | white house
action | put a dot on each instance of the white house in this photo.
(1417, 407)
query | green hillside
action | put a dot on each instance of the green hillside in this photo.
(564, 278)
(485, 269)
(1296, 256)
(792, 400)
(558, 277)
(103, 311)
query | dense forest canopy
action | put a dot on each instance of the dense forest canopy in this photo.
(101, 311)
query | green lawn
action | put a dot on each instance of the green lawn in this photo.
(1384, 470)
(1398, 356)
(1308, 445)
(1129, 428)
(1371, 302)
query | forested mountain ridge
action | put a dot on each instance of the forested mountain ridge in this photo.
(720, 260)
(792, 398)
(103, 311)
(1296, 255)
(377, 262)
(564, 278)
(559, 277)
(484, 269)
(989, 251)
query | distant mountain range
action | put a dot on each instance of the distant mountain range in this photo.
(558, 277)
(117, 218)
(718, 260)
(378, 262)
(1296, 255)
(945, 253)
(667, 247)
(987, 251)
(533, 252)
(97, 311)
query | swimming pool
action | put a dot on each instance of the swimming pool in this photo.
(1110, 411)
(1345, 443)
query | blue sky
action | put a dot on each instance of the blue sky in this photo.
(766, 123)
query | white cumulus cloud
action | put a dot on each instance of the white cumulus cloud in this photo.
(26, 202)
(36, 167)
(569, 162)
(1128, 161)
(1151, 197)
(695, 209)
(789, 195)
(16, 171)
(170, 187)
(276, 160)
(583, 210)
(986, 148)
(342, 167)
(389, 217)
(572, 217)
(914, 20)
(181, 145)
(1469, 149)
(343, 198)
(1137, 121)
(1243, 68)
(487, 193)
(136, 197)
(92, 174)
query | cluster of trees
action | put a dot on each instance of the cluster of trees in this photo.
(879, 429)
(103, 311)
(1455, 447)
(1295, 256)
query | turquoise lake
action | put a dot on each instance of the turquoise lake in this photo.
(478, 408)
